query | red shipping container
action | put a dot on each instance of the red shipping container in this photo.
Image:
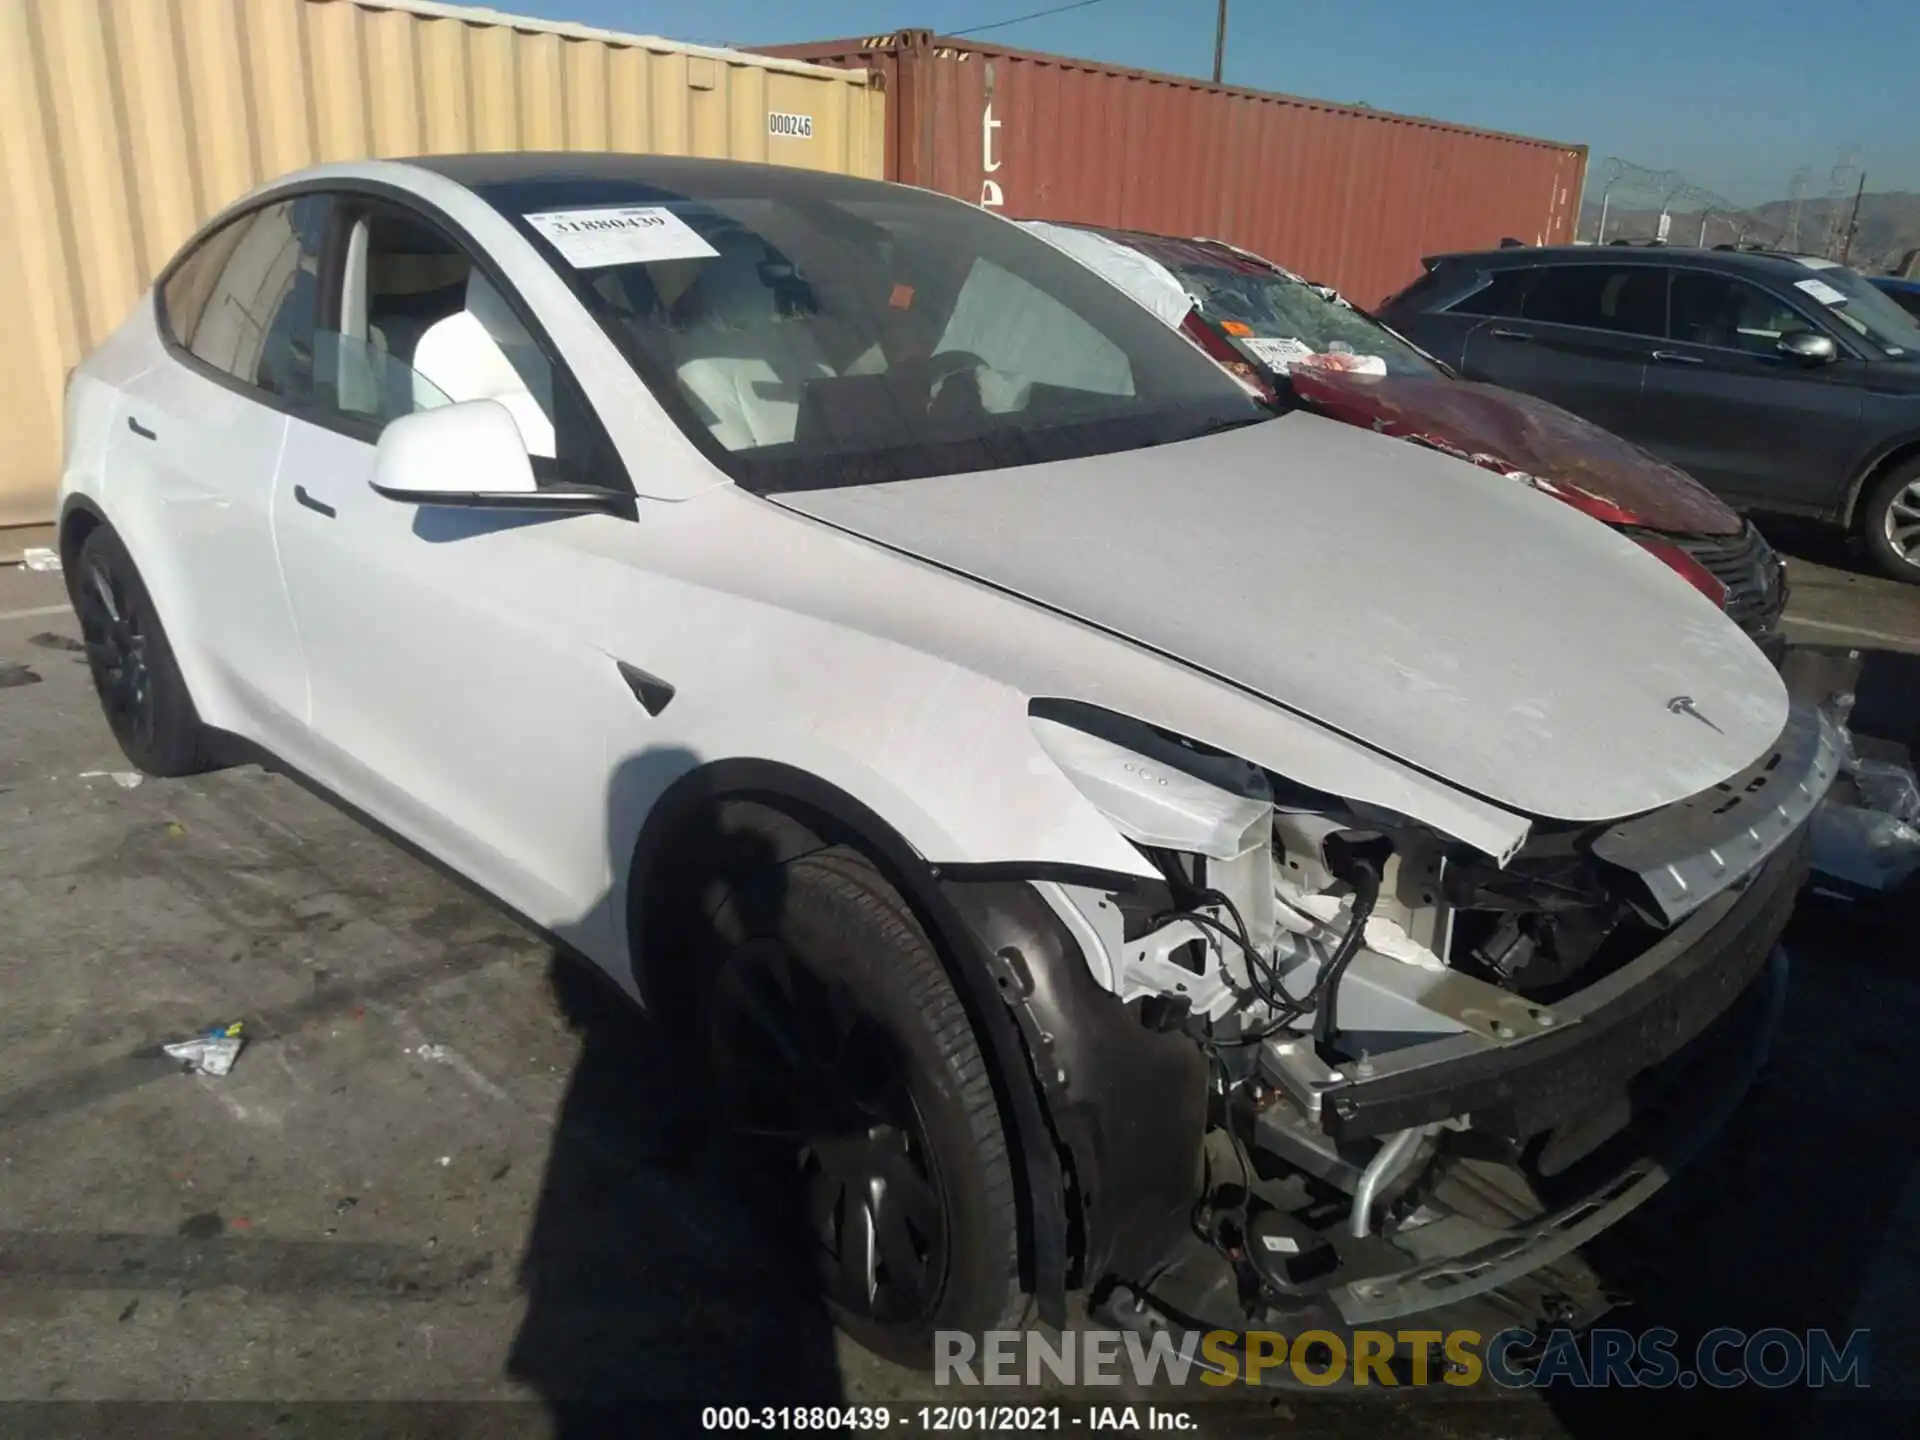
(1349, 196)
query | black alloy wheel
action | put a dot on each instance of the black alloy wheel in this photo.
(131, 661)
(117, 654)
(842, 1058)
(806, 1071)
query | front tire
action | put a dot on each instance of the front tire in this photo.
(134, 672)
(1890, 521)
(842, 1054)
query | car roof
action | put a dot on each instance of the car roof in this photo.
(1766, 262)
(672, 174)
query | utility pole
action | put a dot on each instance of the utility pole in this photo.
(1853, 223)
(1220, 42)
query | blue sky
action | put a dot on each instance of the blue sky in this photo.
(1733, 93)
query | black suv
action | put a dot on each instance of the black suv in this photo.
(1785, 383)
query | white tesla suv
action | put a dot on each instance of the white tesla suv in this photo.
(1097, 831)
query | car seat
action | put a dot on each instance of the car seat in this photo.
(743, 345)
(482, 352)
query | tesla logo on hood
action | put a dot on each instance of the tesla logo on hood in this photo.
(1683, 705)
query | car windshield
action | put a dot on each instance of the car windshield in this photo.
(1281, 319)
(1855, 302)
(810, 331)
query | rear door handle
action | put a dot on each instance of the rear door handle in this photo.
(1674, 357)
(319, 507)
(1500, 333)
(142, 431)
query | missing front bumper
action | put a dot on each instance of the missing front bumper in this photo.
(1527, 1247)
(1630, 1020)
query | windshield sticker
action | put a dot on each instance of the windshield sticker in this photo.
(1821, 291)
(1814, 262)
(620, 235)
(1277, 354)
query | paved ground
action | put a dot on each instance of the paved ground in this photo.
(445, 1168)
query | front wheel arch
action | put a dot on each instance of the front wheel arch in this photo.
(1852, 516)
(717, 823)
(1895, 481)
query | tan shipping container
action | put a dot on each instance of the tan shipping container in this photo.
(124, 124)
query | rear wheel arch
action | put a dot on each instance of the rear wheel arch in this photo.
(79, 518)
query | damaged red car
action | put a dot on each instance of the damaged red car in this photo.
(1297, 342)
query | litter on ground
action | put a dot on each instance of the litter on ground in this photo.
(38, 557)
(212, 1052)
(125, 779)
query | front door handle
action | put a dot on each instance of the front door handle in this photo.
(319, 507)
(142, 431)
(1674, 357)
(1500, 333)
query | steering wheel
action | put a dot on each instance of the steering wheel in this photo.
(947, 364)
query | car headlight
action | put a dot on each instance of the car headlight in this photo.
(1157, 792)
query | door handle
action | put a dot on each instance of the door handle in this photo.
(1500, 333)
(142, 431)
(319, 507)
(1674, 357)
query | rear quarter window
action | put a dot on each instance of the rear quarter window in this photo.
(1501, 297)
(1427, 293)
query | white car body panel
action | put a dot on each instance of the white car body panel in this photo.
(455, 673)
(1141, 278)
(195, 478)
(1531, 659)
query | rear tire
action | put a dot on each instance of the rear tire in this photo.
(1890, 520)
(134, 672)
(842, 1055)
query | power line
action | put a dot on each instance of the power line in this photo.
(1022, 19)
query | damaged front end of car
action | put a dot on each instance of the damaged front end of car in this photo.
(1334, 1068)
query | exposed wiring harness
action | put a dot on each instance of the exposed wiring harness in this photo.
(1322, 1001)
(1365, 879)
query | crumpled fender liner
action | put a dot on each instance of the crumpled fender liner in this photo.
(1128, 1105)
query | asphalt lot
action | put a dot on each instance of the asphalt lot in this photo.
(447, 1169)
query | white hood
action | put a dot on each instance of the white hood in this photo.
(1471, 627)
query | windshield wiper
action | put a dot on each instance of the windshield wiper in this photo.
(1217, 427)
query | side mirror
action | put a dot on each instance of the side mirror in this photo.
(471, 456)
(1808, 347)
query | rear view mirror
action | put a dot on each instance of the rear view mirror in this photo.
(1808, 347)
(471, 455)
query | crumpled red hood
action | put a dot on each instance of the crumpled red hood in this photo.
(1523, 436)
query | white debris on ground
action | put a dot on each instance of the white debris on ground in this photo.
(1873, 846)
(125, 779)
(211, 1052)
(37, 557)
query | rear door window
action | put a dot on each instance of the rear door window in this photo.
(1630, 300)
(1500, 298)
(244, 300)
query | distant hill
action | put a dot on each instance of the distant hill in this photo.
(1889, 226)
